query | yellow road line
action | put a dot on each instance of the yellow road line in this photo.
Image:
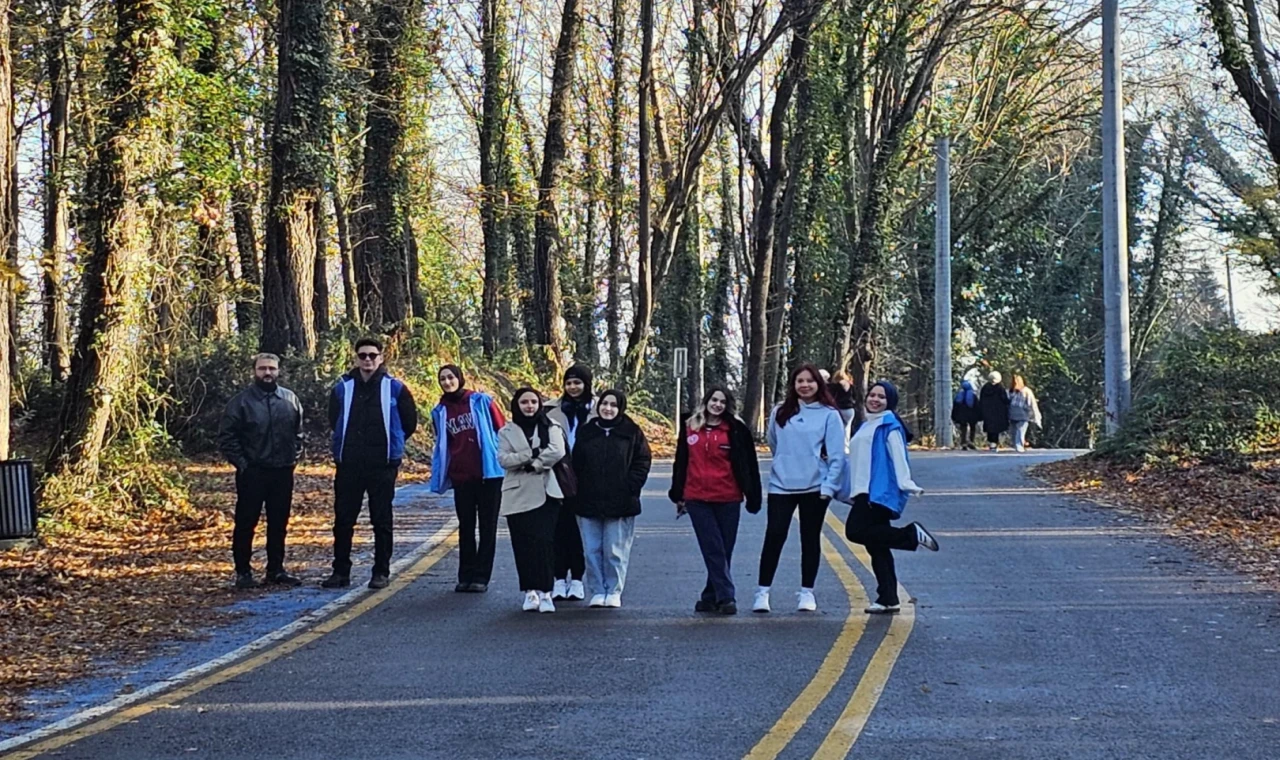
(853, 718)
(182, 693)
(829, 672)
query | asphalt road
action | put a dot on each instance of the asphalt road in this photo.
(1044, 629)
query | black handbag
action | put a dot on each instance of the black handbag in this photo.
(566, 477)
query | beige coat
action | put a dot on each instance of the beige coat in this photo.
(524, 491)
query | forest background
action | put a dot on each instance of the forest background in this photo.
(519, 184)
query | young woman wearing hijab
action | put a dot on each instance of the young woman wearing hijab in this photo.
(715, 469)
(611, 458)
(571, 411)
(880, 474)
(528, 448)
(806, 435)
(466, 460)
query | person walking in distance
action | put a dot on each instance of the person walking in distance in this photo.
(842, 392)
(966, 414)
(611, 458)
(880, 477)
(528, 448)
(995, 410)
(571, 411)
(466, 460)
(806, 436)
(261, 436)
(715, 469)
(1024, 411)
(372, 415)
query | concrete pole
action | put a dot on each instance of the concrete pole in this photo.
(1231, 292)
(943, 432)
(1115, 243)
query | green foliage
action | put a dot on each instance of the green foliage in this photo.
(1216, 395)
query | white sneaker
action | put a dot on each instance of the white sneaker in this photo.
(877, 608)
(597, 600)
(925, 538)
(545, 604)
(613, 600)
(806, 602)
(531, 601)
(576, 591)
(560, 590)
(761, 603)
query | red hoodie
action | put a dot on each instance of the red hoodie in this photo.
(465, 465)
(710, 477)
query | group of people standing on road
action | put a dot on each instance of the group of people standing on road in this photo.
(568, 476)
(997, 409)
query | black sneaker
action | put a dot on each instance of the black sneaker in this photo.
(727, 608)
(246, 580)
(379, 581)
(281, 578)
(702, 605)
(336, 580)
(462, 588)
(925, 538)
(477, 588)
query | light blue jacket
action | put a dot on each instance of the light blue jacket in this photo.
(485, 431)
(809, 452)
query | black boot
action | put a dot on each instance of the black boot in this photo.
(246, 580)
(336, 580)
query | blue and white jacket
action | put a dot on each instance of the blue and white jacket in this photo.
(878, 463)
(485, 432)
(384, 419)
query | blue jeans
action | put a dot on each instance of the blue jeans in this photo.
(1020, 434)
(716, 526)
(606, 546)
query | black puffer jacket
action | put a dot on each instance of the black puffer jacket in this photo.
(612, 465)
(261, 428)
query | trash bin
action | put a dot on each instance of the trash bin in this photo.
(17, 499)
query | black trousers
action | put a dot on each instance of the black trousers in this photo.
(256, 487)
(349, 488)
(968, 432)
(533, 536)
(813, 510)
(569, 561)
(869, 525)
(477, 505)
(992, 437)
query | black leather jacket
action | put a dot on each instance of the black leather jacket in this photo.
(261, 429)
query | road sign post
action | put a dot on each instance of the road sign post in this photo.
(679, 370)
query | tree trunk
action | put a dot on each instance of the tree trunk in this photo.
(210, 316)
(350, 297)
(56, 354)
(771, 177)
(385, 180)
(721, 284)
(299, 160)
(8, 224)
(588, 349)
(249, 289)
(546, 269)
(109, 307)
(320, 270)
(417, 302)
(493, 128)
(638, 340)
(613, 297)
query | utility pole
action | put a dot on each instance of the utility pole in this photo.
(942, 301)
(1231, 292)
(1115, 244)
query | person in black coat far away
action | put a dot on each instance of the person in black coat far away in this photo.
(995, 410)
(611, 458)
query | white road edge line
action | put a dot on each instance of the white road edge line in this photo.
(263, 642)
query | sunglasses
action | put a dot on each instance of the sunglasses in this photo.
(369, 356)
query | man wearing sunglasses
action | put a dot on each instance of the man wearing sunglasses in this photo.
(372, 415)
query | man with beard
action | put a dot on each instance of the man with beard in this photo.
(261, 435)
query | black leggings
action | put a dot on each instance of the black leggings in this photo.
(869, 525)
(813, 510)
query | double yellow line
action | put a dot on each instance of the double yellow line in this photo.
(853, 718)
